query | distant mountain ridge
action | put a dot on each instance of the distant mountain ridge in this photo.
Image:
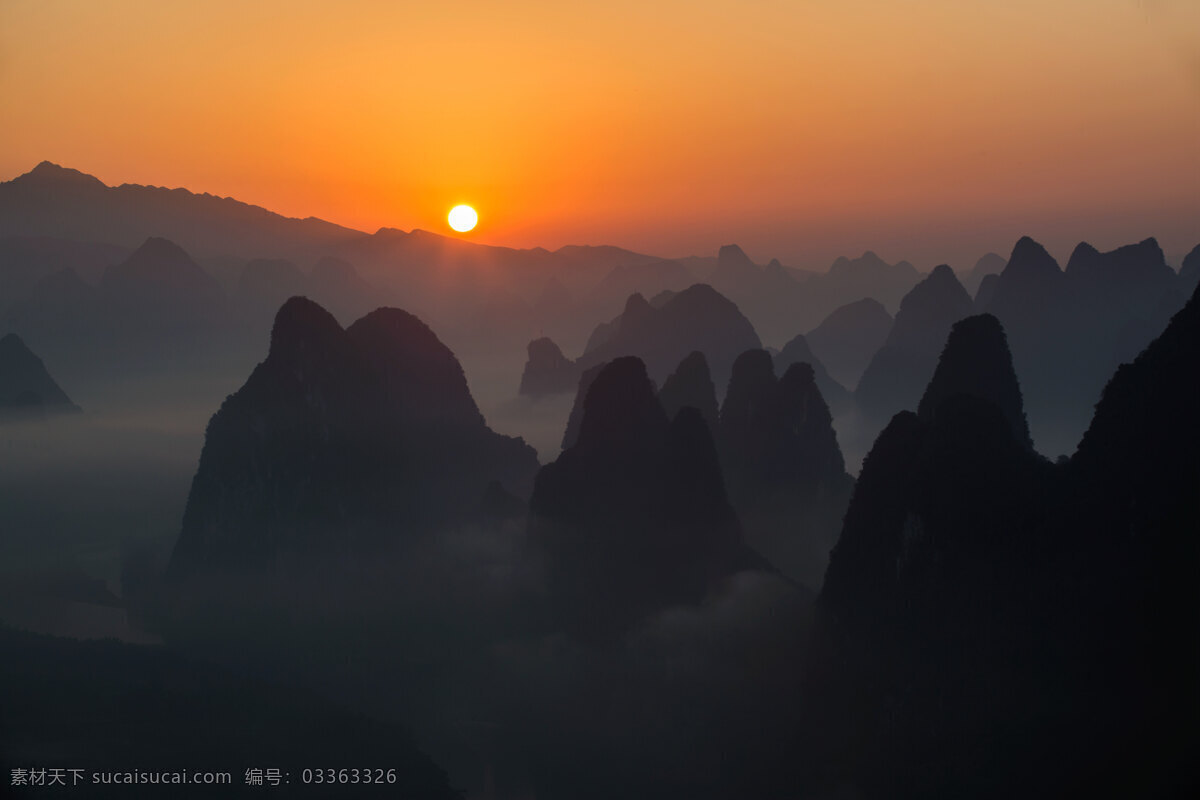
(662, 334)
(51, 201)
(785, 302)
(453, 282)
(61, 231)
(57, 201)
(797, 351)
(846, 340)
(1069, 329)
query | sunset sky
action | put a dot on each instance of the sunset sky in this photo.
(932, 130)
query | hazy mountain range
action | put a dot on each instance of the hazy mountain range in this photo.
(304, 478)
(439, 277)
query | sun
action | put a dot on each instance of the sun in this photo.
(462, 218)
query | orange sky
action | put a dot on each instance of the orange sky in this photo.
(932, 130)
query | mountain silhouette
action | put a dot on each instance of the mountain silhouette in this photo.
(990, 264)
(1189, 271)
(661, 333)
(782, 464)
(341, 440)
(1140, 445)
(27, 260)
(986, 291)
(547, 370)
(50, 178)
(1133, 514)
(797, 351)
(750, 423)
(1121, 300)
(976, 362)
(1029, 301)
(868, 275)
(733, 265)
(26, 388)
(698, 318)
(160, 266)
(160, 291)
(929, 556)
(640, 277)
(65, 203)
(732, 260)
(152, 311)
(846, 340)
(465, 289)
(780, 300)
(1031, 276)
(900, 370)
(1130, 287)
(594, 257)
(691, 385)
(471, 288)
(991, 621)
(450, 281)
(575, 419)
(767, 295)
(1069, 330)
(633, 516)
(1130, 267)
(604, 332)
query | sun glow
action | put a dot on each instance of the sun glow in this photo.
(462, 218)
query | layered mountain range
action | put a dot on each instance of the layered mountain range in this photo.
(783, 465)
(633, 515)
(1069, 330)
(457, 285)
(846, 340)
(899, 370)
(991, 621)
(661, 333)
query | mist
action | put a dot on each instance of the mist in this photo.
(589, 522)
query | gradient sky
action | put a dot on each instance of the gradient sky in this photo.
(932, 130)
